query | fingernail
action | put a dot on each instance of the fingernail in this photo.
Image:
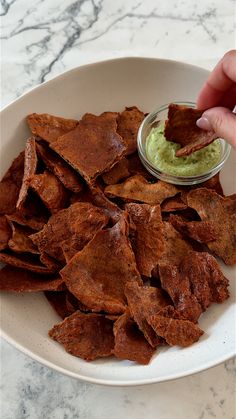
(204, 123)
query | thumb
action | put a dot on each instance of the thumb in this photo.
(222, 121)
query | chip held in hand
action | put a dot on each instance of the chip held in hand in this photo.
(181, 128)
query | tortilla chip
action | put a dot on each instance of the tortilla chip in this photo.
(97, 275)
(143, 302)
(181, 128)
(72, 227)
(30, 166)
(50, 127)
(202, 231)
(35, 223)
(64, 303)
(116, 173)
(207, 281)
(20, 241)
(230, 204)
(68, 177)
(194, 284)
(51, 263)
(129, 341)
(178, 288)
(94, 194)
(57, 300)
(88, 336)
(173, 204)
(25, 261)
(93, 147)
(110, 208)
(5, 232)
(137, 188)
(136, 167)
(73, 304)
(19, 280)
(10, 185)
(50, 190)
(128, 124)
(175, 247)
(175, 331)
(147, 239)
(215, 209)
(68, 251)
(213, 183)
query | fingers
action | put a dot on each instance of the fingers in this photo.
(222, 79)
(222, 121)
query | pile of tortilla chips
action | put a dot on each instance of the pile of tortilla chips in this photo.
(128, 262)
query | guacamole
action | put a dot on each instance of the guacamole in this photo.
(161, 153)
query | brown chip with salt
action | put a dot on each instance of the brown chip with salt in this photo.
(207, 281)
(68, 177)
(49, 262)
(175, 247)
(128, 124)
(94, 194)
(10, 185)
(34, 222)
(73, 304)
(181, 128)
(173, 204)
(214, 208)
(20, 241)
(175, 331)
(50, 190)
(30, 166)
(64, 303)
(93, 147)
(126, 167)
(71, 228)
(116, 173)
(129, 341)
(213, 183)
(194, 284)
(57, 299)
(88, 336)
(178, 287)
(136, 167)
(202, 231)
(5, 232)
(98, 274)
(25, 261)
(144, 301)
(20, 280)
(100, 200)
(50, 127)
(137, 188)
(147, 239)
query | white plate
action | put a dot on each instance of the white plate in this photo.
(111, 85)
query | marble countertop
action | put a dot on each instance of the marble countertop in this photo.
(39, 40)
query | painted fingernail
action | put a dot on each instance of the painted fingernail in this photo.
(204, 123)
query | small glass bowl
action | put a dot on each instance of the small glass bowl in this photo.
(159, 115)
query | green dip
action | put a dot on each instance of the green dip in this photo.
(161, 153)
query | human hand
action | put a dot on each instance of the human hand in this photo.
(218, 97)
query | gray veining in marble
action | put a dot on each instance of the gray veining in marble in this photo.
(42, 38)
(39, 39)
